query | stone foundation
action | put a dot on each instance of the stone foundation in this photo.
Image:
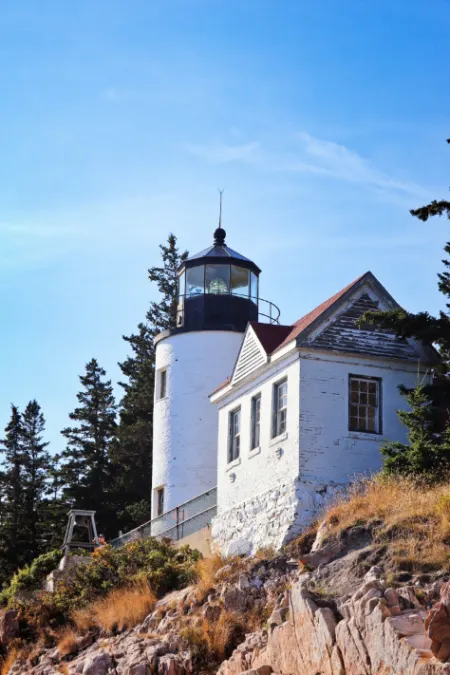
(272, 518)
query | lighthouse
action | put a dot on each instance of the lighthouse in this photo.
(218, 295)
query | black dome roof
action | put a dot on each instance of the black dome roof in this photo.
(219, 252)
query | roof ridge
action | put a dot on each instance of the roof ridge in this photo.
(307, 319)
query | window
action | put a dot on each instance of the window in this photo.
(240, 281)
(365, 408)
(181, 286)
(159, 501)
(195, 280)
(234, 437)
(279, 408)
(254, 287)
(217, 279)
(256, 418)
(162, 383)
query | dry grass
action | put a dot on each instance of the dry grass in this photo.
(120, 610)
(124, 608)
(9, 661)
(67, 642)
(206, 570)
(215, 641)
(84, 620)
(412, 519)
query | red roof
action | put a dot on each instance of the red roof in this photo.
(273, 337)
(303, 323)
(270, 335)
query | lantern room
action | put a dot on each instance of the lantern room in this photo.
(218, 289)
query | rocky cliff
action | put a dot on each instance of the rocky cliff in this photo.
(329, 610)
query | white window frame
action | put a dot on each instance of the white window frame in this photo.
(364, 404)
(234, 434)
(255, 422)
(279, 409)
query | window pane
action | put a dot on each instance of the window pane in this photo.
(254, 287)
(195, 280)
(256, 413)
(364, 409)
(182, 284)
(163, 383)
(240, 281)
(217, 279)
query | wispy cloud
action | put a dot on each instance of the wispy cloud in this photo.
(322, 157)
(37, 230)
(221, 153)
(310, 154)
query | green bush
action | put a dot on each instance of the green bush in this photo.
(31, 577)
(165, 567)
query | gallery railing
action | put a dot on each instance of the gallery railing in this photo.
(177, 523)
(264, 310)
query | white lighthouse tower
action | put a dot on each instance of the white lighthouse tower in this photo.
(218, 296)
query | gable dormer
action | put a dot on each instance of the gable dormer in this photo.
(338, 329)
(251, 356)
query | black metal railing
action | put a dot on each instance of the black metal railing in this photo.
(251, 307)
(177, 523)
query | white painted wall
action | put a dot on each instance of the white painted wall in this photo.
(328, 450)
(185, 422)
(259, 470)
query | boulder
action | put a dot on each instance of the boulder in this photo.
(97, 664)
(9, 626)
(233, 599)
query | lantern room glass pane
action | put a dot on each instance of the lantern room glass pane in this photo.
(217, 279)
(181, 285)
(254, 287)
(195, 280)
(240, 281)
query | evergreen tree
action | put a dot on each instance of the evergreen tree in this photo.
(133, 452)
(13, 516)
(426, 453)
(86, 467)
(35, 467)
(429, 436)
(162, 314)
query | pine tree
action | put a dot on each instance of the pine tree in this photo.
(133, 452)
(35, 467)
(162, 314)
(428, 449)
(425, 454)
(13, 518)
(86, 467)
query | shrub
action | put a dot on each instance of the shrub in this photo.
(157, 564)
(31, 577)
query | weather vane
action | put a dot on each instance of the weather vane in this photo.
(220, 208)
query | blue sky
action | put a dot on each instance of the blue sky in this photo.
(323, 121)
